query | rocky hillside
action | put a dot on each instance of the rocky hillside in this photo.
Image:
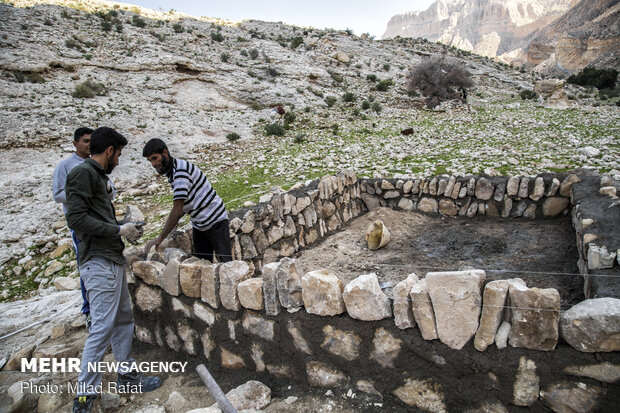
(588, 34)
(488, 27)
(193, 82)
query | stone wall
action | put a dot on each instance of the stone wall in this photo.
(444, 342)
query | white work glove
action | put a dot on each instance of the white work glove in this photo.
(131, 232)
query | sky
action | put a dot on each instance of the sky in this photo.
(362, 16)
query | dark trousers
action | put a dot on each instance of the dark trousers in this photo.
(214, 240)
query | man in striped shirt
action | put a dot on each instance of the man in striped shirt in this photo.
(193, 195)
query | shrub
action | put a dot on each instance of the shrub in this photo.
(528, 94)
(19, 76)
(289, 117)
(224, 57)
(599, 78)
(243, 53)
(138, 21)
(35, 77)
(330, 101)
(386, 67)
(377, 107)
(256, 106)
(274, 129)
(72, 44)
(609, 93)
(178, 28)
(348, 97)
(300, 138)
(233, 136)
(384, 85)
(440, 79)
(217, 37)
(365, 105)
(336, 76)
(254, 54)
(296, 41)
(106, 25)
(371, 77)
(89, 89)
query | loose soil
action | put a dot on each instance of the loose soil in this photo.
(541, 252)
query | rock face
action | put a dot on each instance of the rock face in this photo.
(322, 293)
(535, 317)
(456, 298)
(592, 325)
(365, 300)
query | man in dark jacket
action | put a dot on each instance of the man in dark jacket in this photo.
(90, 214)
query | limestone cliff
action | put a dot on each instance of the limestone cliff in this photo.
(488, 27)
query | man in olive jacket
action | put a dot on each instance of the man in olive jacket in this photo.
(90, 214)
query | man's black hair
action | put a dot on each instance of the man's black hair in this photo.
(103, 138)
(79, 132)
(155, 145)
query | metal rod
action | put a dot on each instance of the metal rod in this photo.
(215, 390)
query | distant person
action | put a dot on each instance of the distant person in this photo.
(193, 195)
(81, 142)
(90, 214)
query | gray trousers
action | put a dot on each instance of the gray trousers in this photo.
(112, 318)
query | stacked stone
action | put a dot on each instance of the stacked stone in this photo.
(291, 220)
(529, 197)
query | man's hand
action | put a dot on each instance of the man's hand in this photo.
(152, 243)
(131, 231)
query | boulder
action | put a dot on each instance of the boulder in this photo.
(365, 300)
(322, 293)
(251, 293)
(554, 206)
(403, 312)
(456, 298)
(270, 289)
(250, 395)
(592, 325)
(427, 205)
(149, 271)
(231, 274)
(148, 299)
(66, 283)
(535, 317)
(170, 280)
(288, 281)
(422, 308)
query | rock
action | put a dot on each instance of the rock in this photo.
(526, 386)
(403, 312)
(170, 280)
(524, 187)
(342, 57)
(367, 387)
(423, 394)
(370, 201)
(341, 343)
(406, 204)
(288, 281)
(604, 372)
(147, 298)
(151, 409)
(322, 293)
(427, 205)
(609, 191)
(53, 268)
(422, 308)
(250, 395)
(298, 339)
(15, 361)
(571, 397)
(593, 325)
(599, 257)
(590, 151)
(386, 348)
(512, 187)
(133, 215)
(231, 360)
(448, 207)
(57, 351)
(190, 279)
(539, 189)
(456, 298)
(16, 397)
(58, 330)
(60, 250)
(66, 283)
(489, 407)
(175, 402)
(204, 313)
(501, 336)
(110, 401)
(149, 271)
(208, 344)
(323, 375)
(535, 317)
(251, 293)
(52, 402)
(231, 274)
(270, 289)
(567, 183)
(554, 206)
(258, 326)
(484, 189)
(364, 299)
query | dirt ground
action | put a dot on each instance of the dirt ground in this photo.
(542, 252)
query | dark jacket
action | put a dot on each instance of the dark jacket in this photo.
(90, 213)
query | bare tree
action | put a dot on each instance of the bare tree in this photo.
(440, 79)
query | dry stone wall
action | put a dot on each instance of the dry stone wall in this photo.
(436, 343)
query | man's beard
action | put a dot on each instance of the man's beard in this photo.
(109, 168)
(165, 166)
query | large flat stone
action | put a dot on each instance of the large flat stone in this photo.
(170, 281)
(251, 293)
(365, 300)
(456, 301)
(148, 299)
(149, 271)
(422, 307)
(322, 293)
(288, 280)
(403, 312)
(231, 274)
(270, 289)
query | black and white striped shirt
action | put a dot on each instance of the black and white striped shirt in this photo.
(202, 204)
